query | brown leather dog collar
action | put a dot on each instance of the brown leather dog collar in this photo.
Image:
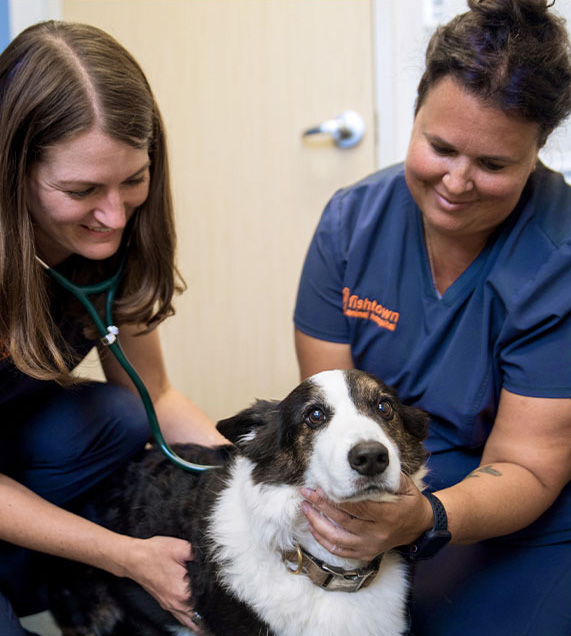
(330, 577)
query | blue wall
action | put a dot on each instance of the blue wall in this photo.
(4, 24)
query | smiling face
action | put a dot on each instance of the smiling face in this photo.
(467, 163)
(82, 194)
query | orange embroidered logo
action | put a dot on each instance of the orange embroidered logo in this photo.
(355, 307)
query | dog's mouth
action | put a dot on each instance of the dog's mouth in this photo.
(374, 491)
(379, 483)
(366, 489)
(376, 488)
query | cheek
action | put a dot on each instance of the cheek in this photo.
(36, 204)
(412, 454)
(138, 196)
(421, 166)
(501, 194)
(54, 209)
(504, 190)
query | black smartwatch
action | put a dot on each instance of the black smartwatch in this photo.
(433, 540)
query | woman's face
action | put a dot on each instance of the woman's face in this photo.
(82, 193)
(467, 163)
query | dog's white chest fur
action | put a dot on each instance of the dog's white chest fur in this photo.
(252, 525)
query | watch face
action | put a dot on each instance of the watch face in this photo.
(429, 544)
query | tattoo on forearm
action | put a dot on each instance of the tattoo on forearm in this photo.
(488, 470)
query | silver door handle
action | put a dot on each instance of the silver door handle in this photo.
(347, 129)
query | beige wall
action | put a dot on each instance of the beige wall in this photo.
(238, 81)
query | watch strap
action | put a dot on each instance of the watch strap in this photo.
(432, 541)
(440, 516)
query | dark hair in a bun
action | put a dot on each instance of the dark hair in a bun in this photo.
(514, 55)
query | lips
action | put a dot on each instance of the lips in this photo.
(452, 204)
(99, 230)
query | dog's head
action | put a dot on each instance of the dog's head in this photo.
(344, 431)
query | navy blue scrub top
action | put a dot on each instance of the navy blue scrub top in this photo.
(505, 322)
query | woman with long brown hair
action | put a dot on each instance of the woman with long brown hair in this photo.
(84, 182)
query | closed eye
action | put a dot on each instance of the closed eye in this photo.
(491, 166)
(136, 181)
(443, 151)
(80, 194)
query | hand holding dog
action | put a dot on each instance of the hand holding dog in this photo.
(158, 564)
(364, 529)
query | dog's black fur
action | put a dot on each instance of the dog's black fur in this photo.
(148, 503)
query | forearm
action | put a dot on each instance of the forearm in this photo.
(314, 355)
(31, 522)
(157, 564)
(494, 500)
(182, 421)
(179, 418)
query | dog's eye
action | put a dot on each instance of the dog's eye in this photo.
(316, 417)
(386, 409)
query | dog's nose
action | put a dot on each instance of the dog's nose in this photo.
(369, 458)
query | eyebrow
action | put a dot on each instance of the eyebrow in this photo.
(69, 182)
(497, 158)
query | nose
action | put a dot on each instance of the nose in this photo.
(369, 458)
(457, 178)
(111, 210)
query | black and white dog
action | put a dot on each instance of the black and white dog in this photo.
(258, 571)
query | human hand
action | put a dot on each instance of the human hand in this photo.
(365, 529)
(158, 564)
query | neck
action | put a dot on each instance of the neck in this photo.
(449, 257)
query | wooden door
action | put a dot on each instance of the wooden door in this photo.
(238, 81)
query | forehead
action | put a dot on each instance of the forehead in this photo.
(91, 156)
(464, 121)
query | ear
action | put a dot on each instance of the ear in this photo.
(243, 427)
(416, 422)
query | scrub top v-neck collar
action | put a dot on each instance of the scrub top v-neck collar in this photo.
(468, 279)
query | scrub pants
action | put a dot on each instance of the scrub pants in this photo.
(62, 446)
(502, 587)
(494, 588)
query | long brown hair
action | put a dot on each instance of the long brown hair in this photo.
(57, 80)
(512, 54)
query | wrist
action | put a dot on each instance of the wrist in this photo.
(428, 518)
(124, 555)
(436, 535)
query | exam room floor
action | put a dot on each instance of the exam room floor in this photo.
(41, 624)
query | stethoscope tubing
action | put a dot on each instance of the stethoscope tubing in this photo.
(109, 333)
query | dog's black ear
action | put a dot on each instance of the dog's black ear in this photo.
(242, 427)
(416, 422)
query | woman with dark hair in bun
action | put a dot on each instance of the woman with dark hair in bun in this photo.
(449, 277)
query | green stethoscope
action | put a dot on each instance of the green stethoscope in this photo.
(109, 333)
